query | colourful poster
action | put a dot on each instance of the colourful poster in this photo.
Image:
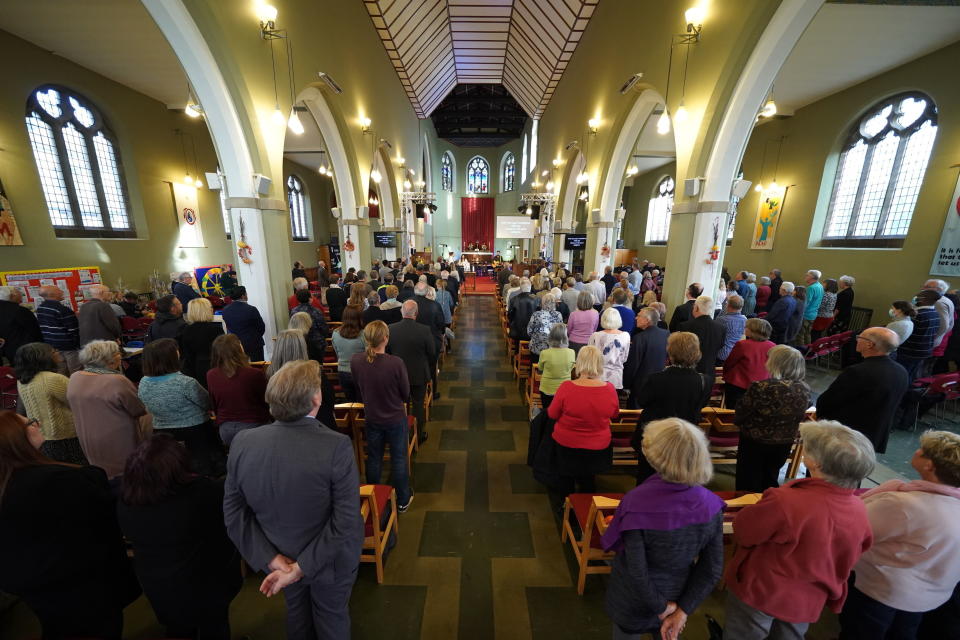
(768, 216)
(9, 231)
(74, 281)
(208, 280)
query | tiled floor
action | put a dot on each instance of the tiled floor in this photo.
(479, 553)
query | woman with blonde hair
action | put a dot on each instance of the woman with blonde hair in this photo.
(679, 391)
(196, 338)
(383, 384)
(649, 298)
(358, 296)
(583, 408)
(668, 534)
(614, 344)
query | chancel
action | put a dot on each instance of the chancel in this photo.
(529, 319)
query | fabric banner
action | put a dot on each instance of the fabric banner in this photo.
(477, 222)
(768, 216)
(188, 215)
(9, 231)
(946, 261)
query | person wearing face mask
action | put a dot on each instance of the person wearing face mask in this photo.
(902, 314)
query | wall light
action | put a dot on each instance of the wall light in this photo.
(193, 110)
(365, 124)
(544, 173)
(769, 109)
(594, 125)
(694, 17)
(557, 162)
(401, 160)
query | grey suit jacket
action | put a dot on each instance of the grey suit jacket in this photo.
(293, 488)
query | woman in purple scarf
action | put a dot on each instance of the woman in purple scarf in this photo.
(668, 535)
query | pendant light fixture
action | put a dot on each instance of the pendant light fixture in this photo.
(770, 107)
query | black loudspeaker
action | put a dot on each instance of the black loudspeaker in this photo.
(620, 243)
(535, 212)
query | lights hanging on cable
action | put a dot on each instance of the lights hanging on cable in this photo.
(663, 123)
(193, 110)
(375, 176)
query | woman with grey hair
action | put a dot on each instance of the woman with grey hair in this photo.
(540, 322)
(614, 344)
(106, 407)
(763, 294)
(844, 308)
(556, 363)
(768, 415)
(750, 298)
(583, 322)
(820, 521)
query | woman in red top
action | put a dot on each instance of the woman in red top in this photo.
(583, 409)
(794, 549)
(236, 389)
(763, 294)
(746, 362)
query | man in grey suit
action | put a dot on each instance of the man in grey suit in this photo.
(292, 506)
(413, 343)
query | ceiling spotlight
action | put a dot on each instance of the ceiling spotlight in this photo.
(193, 110)
(529, 211)
(375, 176)
(294, 124)
(769, 109)
(407, 185)
(663, 124)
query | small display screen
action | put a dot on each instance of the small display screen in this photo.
(575, 241)
(384, 239)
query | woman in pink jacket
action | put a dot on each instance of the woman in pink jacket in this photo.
(583, 322)
(914, 563)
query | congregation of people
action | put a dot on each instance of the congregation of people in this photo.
(603, 343)
(194, 447)
(196, 452)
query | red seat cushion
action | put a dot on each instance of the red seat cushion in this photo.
(581, 508)
(381, 494)
(726, 440)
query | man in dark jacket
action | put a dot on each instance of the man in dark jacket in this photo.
(522, 305)
(429, 313)
(684, 311)
(17, 325)
(775, 283)
(336, 299)
(710, 332)
(781, 312)
(168, 320)
(292, 508)
(503, 276)
(182, 287)
(96, 318)
(59, 326)
(413, 343)
(648, 353)
(609, 280)
(244, 320)
(865, 396)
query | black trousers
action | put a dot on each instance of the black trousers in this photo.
(864, 618)
(732, 395)
(417, 394)
(203, 444)
(758, 464)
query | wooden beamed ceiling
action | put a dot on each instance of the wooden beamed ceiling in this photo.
(524, 45)
(479, 115)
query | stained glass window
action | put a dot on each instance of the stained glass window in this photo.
(509, 170)
(658, 213)
(881, 169)
(446, 172)
(298, 209)
(478, 175)
(79, 166)
(523, 166)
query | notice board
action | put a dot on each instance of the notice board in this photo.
(75, 282)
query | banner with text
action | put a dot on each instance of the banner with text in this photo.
(946, 261)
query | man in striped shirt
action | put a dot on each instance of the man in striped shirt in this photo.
(59, 326)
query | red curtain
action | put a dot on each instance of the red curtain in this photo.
(477, 221)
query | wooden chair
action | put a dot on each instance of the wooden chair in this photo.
(623, 428)
(379, 522)
(522, 362)
(260, 364)
(793, 462)
(590, 511)
(333, 376)
(532, 390)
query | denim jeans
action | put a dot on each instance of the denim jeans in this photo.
(394, 436)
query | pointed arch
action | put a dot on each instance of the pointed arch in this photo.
(508, 171)
(478, 175)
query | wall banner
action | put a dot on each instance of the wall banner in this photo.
(946, 261)
(188, 215)
(768, 216)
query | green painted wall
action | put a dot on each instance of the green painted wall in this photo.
(813, 137)
(635, 222)
(151, 155)
(318, 192)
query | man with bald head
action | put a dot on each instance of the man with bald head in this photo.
(413, 343)
(865, 396)
(97, 319)
(59, 326)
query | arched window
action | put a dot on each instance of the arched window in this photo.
(534, 128)
(880, 171)
(523, 159)
(478, 175)
(446, 172)
(298, 209)
(79, 166)
(509, 169)
(658, 213)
